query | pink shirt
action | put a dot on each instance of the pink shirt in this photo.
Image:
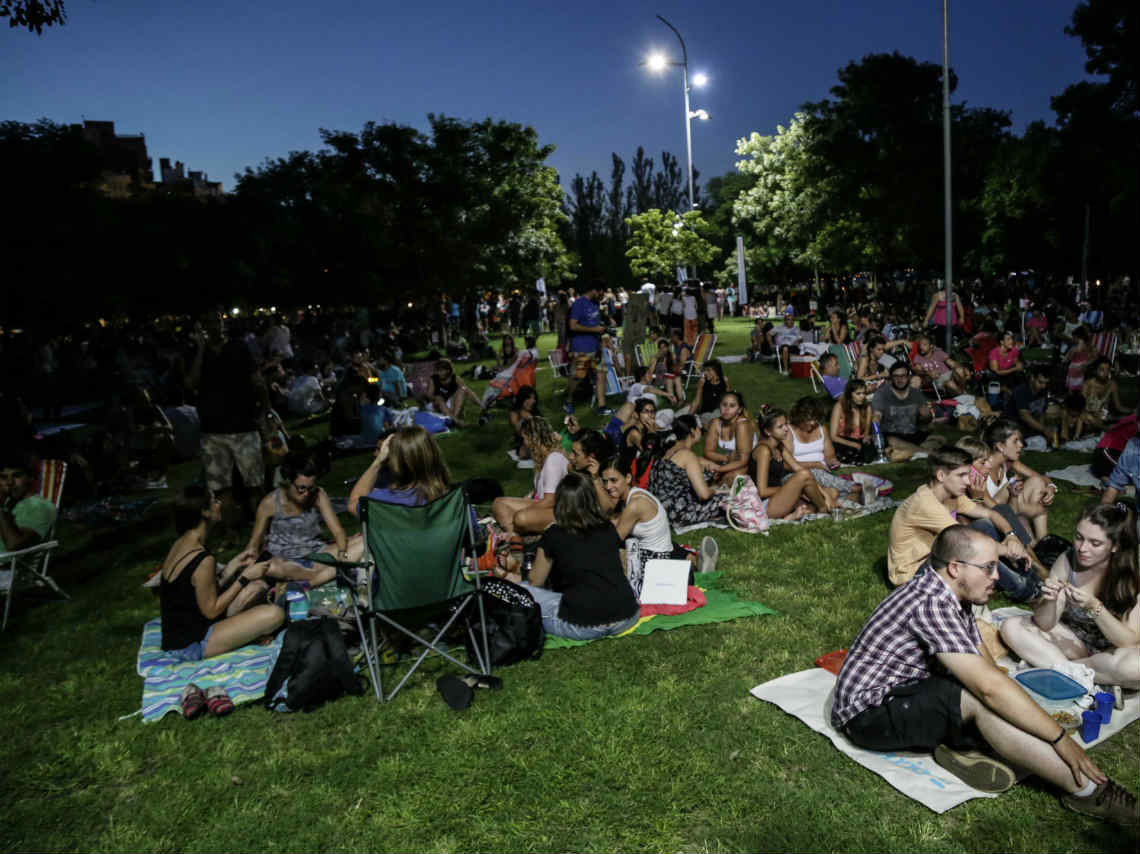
(1004, 362)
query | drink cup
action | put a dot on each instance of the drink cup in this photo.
(1104, 700)
(1090, 726)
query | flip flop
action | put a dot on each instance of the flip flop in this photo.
(490, 683)
(218, 702)
(193, 702)
(455, 692)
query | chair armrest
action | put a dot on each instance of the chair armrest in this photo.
(328, 560)
(41, 547)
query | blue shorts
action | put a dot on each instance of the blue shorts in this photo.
(195, 651)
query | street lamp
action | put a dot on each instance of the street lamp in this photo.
(658, 62)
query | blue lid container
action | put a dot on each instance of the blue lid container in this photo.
(1050, 684)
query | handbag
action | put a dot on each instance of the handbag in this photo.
(513, 621)
(746, 511)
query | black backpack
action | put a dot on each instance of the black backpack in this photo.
(313, 667)
(514, 624)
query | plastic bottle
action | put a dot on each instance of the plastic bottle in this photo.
(879, 446)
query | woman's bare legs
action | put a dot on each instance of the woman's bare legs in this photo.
(1060, 644)
(233, 632)
(504, 509)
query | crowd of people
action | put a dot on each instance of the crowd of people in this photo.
(604, 502)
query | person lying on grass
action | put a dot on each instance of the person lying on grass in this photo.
(577, 578)
(288, 527)
(788, 489)
(941, 502)
(1088, 610)
(917, 677)
(194, 605)
(532, 515)
(639, 515)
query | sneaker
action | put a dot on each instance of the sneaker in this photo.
(525, 464)
(976, 769)
(710, 553)
(1110, 802)
(604, 410)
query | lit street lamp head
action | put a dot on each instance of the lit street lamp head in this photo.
(656, 62)
(700, 79)
(699, 114)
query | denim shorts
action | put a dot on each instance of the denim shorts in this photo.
(195, 651)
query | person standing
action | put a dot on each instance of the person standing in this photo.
(585, 330)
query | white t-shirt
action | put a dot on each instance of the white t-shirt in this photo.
(553, 470)
(690, 303)
(305, 395)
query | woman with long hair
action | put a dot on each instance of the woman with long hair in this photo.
(837, 330)
(533, 514)
(680, 482)
(788, 489)
(577, 577)
(850, 425)
(409, 468)
(194, 605)
(449, 392)
(1005, 359)
(1099, 398)
(288, 527)
(941, 312)
(711, 388)
(523, 408)
(509, 352)
(1011, 482)
(1088, 609)
(730, 439)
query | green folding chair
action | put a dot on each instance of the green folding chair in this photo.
(418, 569)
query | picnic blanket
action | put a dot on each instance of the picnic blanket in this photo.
(1078, 474)
(720, 606)
(243, 673)
(807, 695)
(851, 510)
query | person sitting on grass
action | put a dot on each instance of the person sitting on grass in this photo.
(679, 480)
(588, 448)
(1088, 610)
(638, 515)
(194, 606)
(1005, 360)
(665, 372)
(577, 577)
(829, 371)
(917, 677)
(941, 502)
(1099, 398)
(1028, 403)
(523, 408)
(899, 409)
(932, 365)
(287, 527)
(810, 446)
(25, 516)
(1010, 481)
(789, 491)
(392, 382)
(730, 439)
(449, 393)
(867, 367)
(534, 514)
(711, 387)
(850, 425)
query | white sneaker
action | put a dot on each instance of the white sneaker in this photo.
(710, 553)
(525, 464)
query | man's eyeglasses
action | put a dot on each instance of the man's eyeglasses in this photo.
(989, 568)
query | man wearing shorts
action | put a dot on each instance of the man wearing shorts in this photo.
(231, 398)
(918, 677)
(586, 330)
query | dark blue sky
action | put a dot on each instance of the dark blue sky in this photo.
(222, 85)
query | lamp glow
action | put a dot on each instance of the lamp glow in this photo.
(700, 79)
(656, 62)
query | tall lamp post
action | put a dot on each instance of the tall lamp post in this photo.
(657, 62)
(948, 199)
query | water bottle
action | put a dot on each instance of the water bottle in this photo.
(296, 602)
(879, 446)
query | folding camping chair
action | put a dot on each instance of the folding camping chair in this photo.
(419, 566)
(33, 561)
(558, 364)
(702, 352)
(1104, 343)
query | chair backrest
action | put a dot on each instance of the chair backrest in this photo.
(52, 474)
(1105, 344)
(702, 350)
(418, 551)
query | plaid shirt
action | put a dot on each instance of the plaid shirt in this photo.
(898, 642)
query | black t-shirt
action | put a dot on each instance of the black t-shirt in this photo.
(1023, 398)
(227, 400)
(587, 571)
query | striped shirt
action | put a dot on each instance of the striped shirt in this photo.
(898, 642)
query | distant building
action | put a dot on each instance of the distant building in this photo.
(127, 168)
(174, 178)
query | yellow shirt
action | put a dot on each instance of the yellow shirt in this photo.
(918, 520)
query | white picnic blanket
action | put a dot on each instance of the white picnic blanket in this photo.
(807, 695)
(1078, 474)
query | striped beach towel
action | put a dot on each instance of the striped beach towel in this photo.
(243, 673)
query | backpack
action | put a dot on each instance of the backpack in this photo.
(313, 667)
(514, 624)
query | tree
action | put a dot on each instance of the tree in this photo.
(33, 14)
(661, 241)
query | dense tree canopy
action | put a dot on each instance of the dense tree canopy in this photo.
(33, 14)
(661, 241)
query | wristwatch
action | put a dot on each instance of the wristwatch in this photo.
(242, 580)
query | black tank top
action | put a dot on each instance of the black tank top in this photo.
(182, 622)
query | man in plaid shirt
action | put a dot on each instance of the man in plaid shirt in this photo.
(917, 677)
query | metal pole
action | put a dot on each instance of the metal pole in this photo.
(947, 204)
(688, 119)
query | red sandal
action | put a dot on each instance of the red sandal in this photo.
(193, 702)
(218, 702)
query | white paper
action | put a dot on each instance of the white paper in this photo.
(666, 582)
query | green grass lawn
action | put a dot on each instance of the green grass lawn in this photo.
(648, 743)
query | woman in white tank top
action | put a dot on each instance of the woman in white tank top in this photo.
(729, 432)
(808, 443)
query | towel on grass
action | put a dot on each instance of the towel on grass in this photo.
(243, 673)
(1081, 475)
(720, 606)
(807, 695)
(851, 510)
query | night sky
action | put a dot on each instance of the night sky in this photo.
(222, 85)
